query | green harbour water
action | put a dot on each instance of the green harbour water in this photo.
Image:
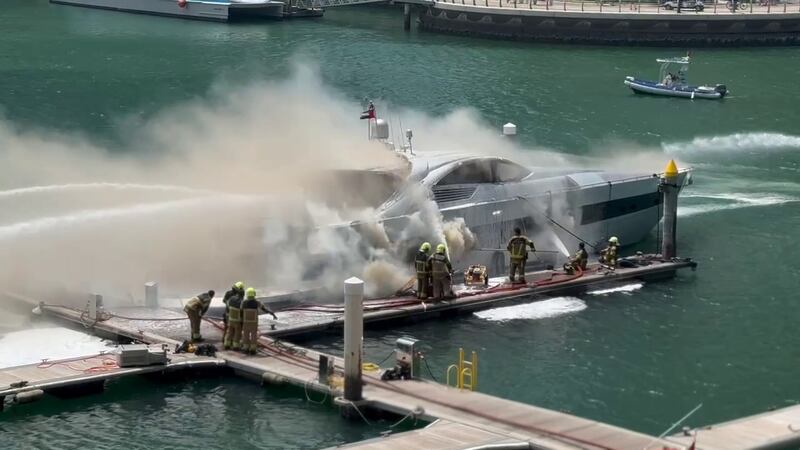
(725, 335)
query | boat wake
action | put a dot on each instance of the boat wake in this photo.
(626, 289)
(734, 142)
(544, 309)
(732, 201)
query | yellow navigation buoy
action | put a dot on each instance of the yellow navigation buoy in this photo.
(671, 170)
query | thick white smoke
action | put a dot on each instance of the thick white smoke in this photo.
(231, 187)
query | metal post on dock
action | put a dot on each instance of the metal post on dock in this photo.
(151, 294)
(353, 335)
(95, 300)
(669, 190)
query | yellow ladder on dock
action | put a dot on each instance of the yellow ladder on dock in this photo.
(466, 372)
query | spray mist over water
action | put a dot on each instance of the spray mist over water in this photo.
(735, 142)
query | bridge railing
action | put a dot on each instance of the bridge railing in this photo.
(743, 7)
(321, 4)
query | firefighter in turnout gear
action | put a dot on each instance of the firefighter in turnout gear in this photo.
(236, 290)
(441, 273)
(250, 309)
(578, 261)
(518, 247)
(195, 309)
(609, 255)
(423, 274)
(233, 328)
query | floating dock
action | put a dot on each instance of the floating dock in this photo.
(308, 320)
(498, 419)
(24, 383)
(461, 418)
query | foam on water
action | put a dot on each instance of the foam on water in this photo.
(732, 201)
(628, 288)
(32, 345)
(553, 307)
(734, 142)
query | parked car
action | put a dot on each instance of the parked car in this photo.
(696, 5)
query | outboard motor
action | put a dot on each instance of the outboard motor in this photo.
(722, 89)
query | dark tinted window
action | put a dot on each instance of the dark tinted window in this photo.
(469, 173)
(620, 207)
(485, 171)
(506, 171)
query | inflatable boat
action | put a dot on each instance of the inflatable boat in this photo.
(675, 84)
(676, 90)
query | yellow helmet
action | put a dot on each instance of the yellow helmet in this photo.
(441, 249)
(613, 240)
(425, 247)
(250, 293)
(238, 285)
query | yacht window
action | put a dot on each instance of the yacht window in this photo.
(506, 171)
(471, 172)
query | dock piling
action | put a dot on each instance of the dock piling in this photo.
(95, 300)
(407, 16)
(151, 294)
(669, 189)
(353, 335)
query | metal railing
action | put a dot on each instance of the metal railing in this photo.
(466, 372)
(639, 6)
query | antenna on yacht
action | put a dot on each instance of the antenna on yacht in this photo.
(409, 135)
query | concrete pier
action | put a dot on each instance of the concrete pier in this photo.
(622, 22)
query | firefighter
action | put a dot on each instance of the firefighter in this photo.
(578, 261)
(423, 274)
(233, 328)
(236, 290)
(250, 309)
(441, 273)
(608, 255)
(518, 247)
(195, 309)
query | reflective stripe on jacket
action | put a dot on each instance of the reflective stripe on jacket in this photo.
(421, 264)
(518, 246)
(235, 308)
(250, 309)
(439, 264)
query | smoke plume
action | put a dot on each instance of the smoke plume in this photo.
(236, 186)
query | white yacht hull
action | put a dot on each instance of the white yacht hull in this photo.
(221, 11)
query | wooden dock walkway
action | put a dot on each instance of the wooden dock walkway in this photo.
(462, 419)
(500, 420)
(73, 372)
(302, 322)
(440, 435)
(770, 430)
